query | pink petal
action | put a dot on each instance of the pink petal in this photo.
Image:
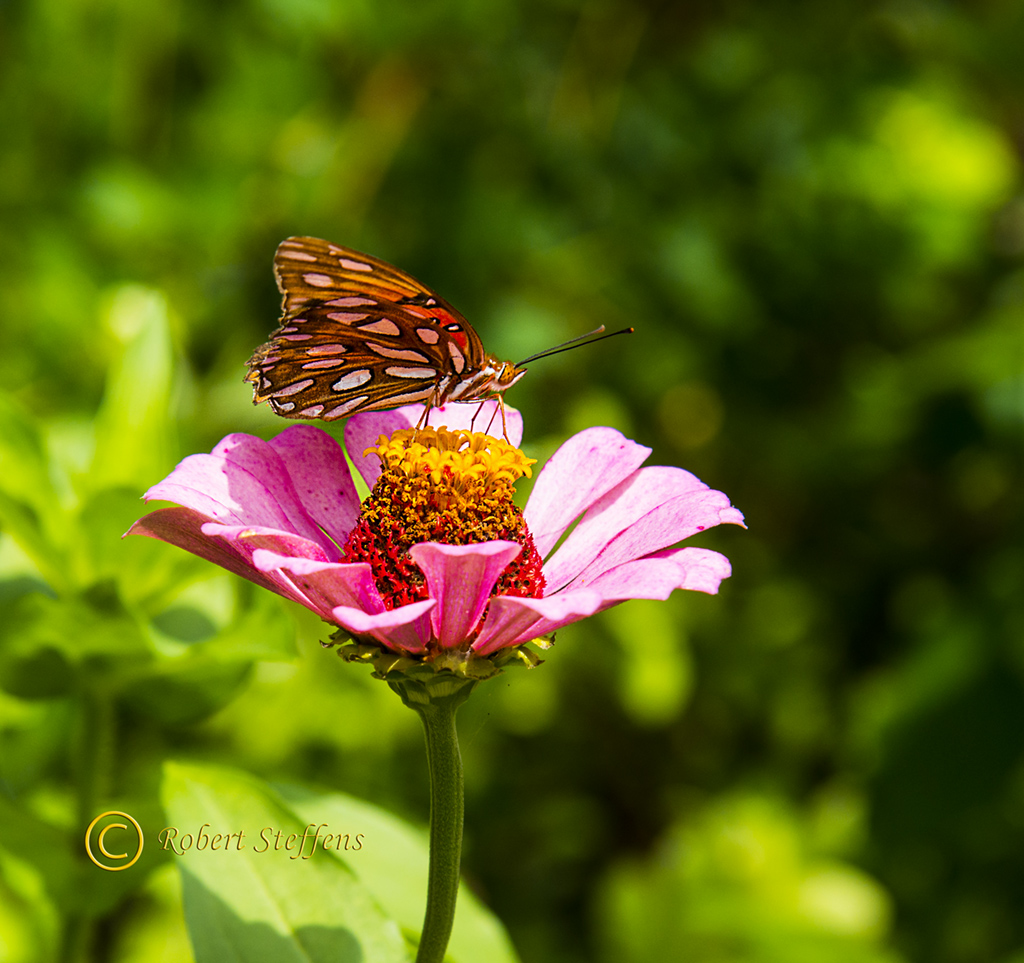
(244, 481)
(247, 538)
(248, 541)
(319, 472)
(183, 527)
(482, 416)
(407, 627)
(461, 578)
(658, 576)
(363, 430)
(327, 585)
(577, 475)
(702, 569)
(651, 510)
(512, 621)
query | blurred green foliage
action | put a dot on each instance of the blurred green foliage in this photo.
(812, 214)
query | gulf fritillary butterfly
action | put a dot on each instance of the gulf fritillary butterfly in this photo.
(358, 334)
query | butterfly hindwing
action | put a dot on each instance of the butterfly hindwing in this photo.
(357, 334)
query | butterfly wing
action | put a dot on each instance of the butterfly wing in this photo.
(357, 334)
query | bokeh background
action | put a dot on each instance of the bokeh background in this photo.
(811, 212)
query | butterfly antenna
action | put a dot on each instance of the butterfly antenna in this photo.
(577, 342)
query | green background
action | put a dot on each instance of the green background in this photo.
(812, 214)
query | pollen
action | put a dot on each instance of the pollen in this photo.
(436, 485)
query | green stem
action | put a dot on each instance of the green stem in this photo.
(437, 697)
(446, 815)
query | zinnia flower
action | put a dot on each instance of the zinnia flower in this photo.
(439, 569)
(439, 564)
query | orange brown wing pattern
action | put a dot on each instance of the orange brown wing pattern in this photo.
(357, 334)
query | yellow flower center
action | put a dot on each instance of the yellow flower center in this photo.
(438, 485)
(452, 468)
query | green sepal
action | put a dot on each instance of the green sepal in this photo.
(462, 664)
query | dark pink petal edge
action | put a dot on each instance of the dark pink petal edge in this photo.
(511, 620)
(183, 528)
(406, 628)
(326, 584)
(191, 531)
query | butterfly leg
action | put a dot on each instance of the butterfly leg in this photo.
(501, 408)
(476, 414)
(422, 421)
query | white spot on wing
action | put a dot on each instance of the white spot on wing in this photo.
(397, 353)
(293, 389)
(345, 408)
(343, 317)
(318, 280)
(427, 335)
(283, 405)
(295, 337)
(383, 326)
(350, 265)
(458, 358)
(327, 363)
(353, 302)
(421, 395)
(420, 373)
(296, 255)
(352, 380)
(321, 349)
(313, 412)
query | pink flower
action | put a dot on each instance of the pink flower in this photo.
(281, 514)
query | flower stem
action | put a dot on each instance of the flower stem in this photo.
(436, 698)
(446, 815)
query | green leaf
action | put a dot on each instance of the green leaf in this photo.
(187, 690)
(24, 471)
(44, 640)
(255, 901)
(393, 866)
(263, 631)
(143, 567)
(204, 676)
(23, 524)
(134, 429)
(40, 844)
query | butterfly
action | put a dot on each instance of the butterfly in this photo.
(357, 334)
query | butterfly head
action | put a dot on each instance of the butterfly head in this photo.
(507, 375)
(493, 378)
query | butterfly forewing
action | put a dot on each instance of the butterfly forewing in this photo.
(357, 334)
